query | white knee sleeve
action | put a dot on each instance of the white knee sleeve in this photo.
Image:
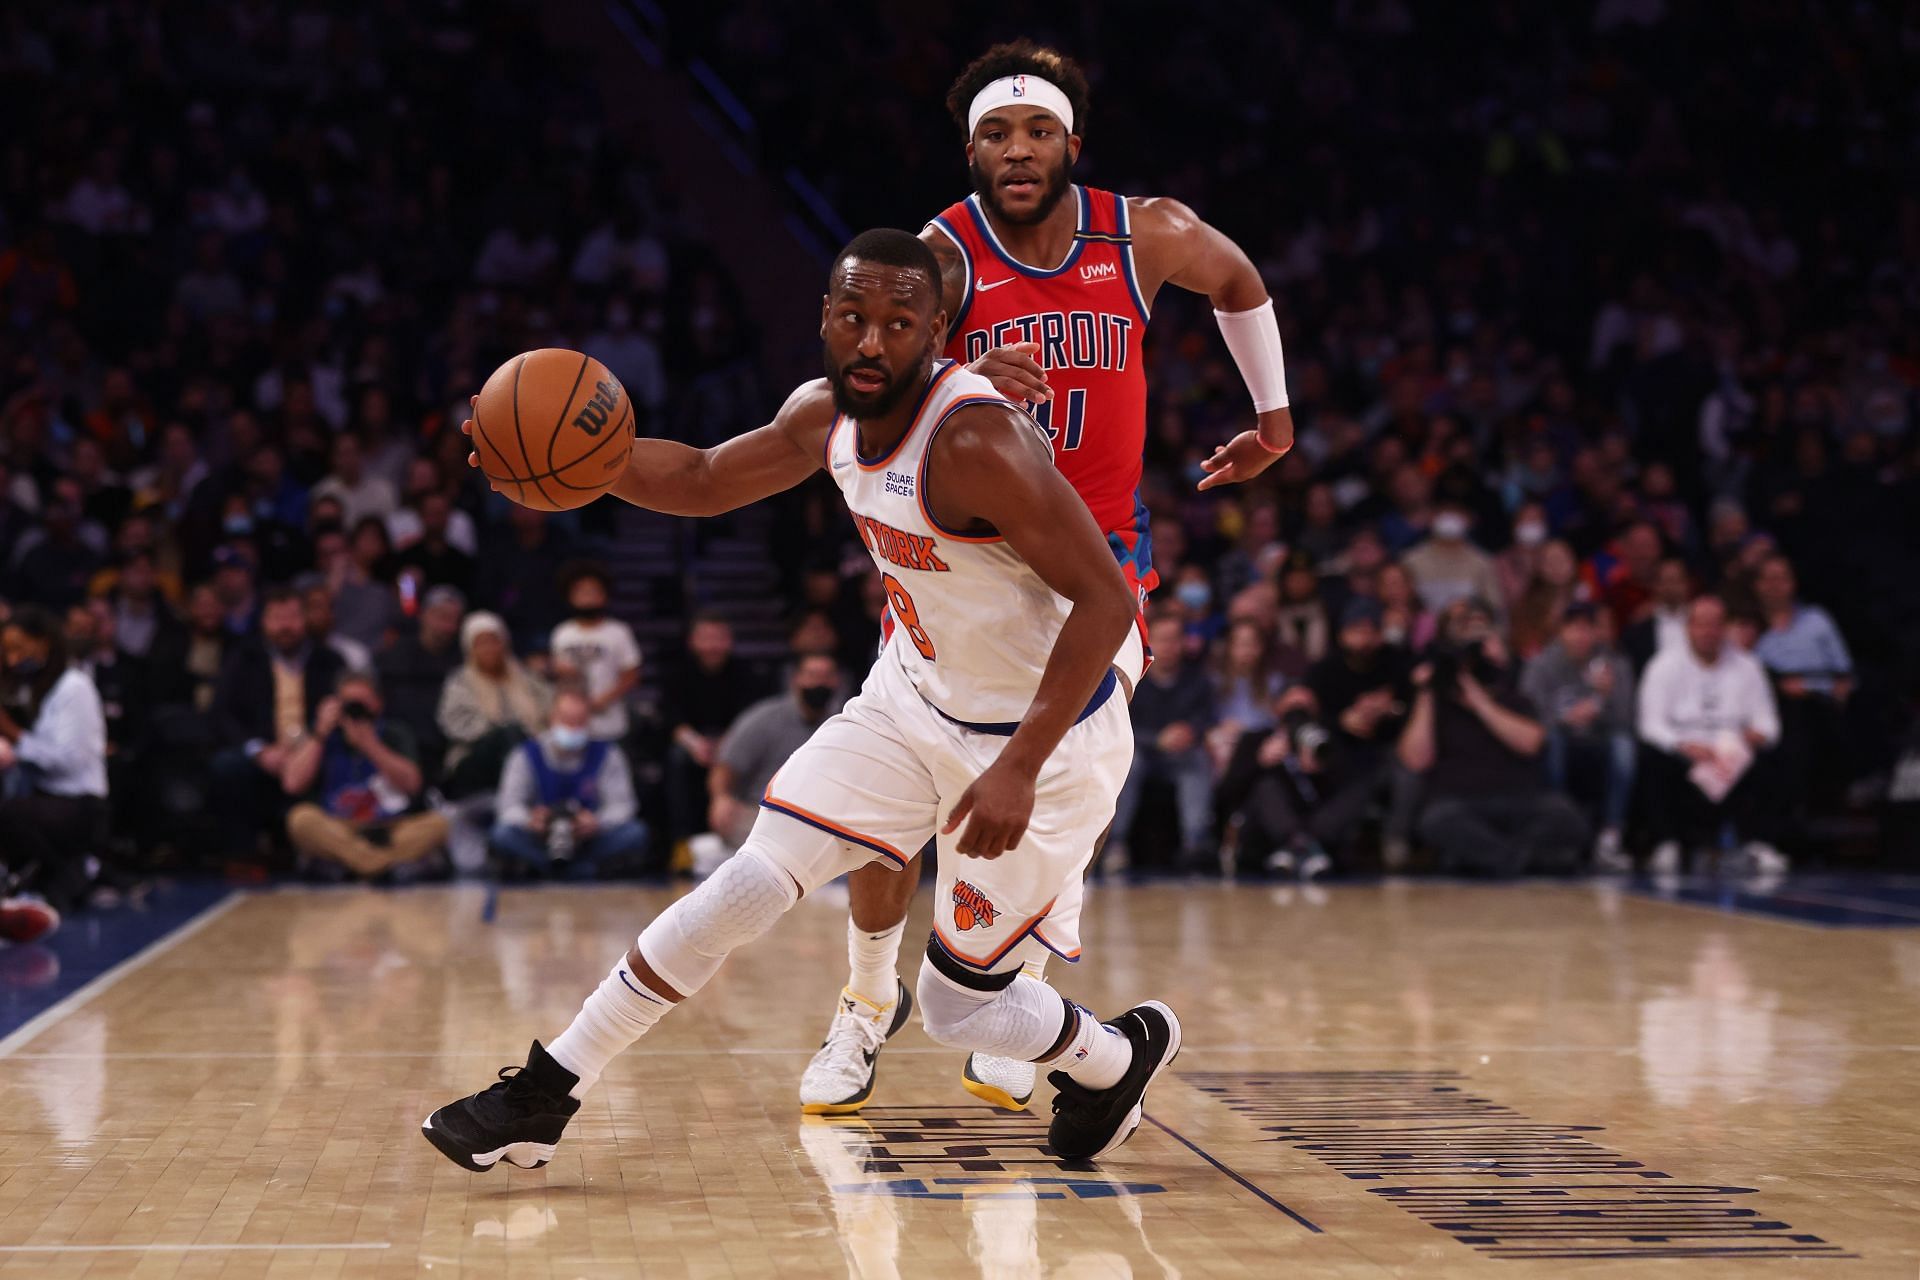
(1023, 1021)
(686, 943)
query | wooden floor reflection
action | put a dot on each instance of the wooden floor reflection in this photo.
(1401, 1079)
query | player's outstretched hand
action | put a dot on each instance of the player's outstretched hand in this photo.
(466, 429)
(996, 808)
(1014, 372)
(1244, 457)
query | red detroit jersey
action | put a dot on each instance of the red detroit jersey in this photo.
(1090, 320)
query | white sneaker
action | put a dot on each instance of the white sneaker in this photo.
(1007, 1083)
(1315, 865)
(1608, 857)
(839, 1079)
(1765, 860)
(1666, 859)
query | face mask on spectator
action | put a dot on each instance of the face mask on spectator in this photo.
(27, 668)
(238, 525)
(816, 696)
(1530, 534)
(568, 738)
(1194, 595)
(1450, 525)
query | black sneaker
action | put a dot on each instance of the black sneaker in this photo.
(1088, 1123)
(518, 1120)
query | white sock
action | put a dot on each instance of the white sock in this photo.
(619, 1012)
(1096, 1055)
(874, 960)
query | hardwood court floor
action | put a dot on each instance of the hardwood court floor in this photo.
(1400, 1079)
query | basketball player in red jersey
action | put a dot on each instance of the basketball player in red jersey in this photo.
(1047, 287)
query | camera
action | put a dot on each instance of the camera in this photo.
(1305, 735)
(560, 834)
(355, 711)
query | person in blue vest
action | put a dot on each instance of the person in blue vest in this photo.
(566, 800)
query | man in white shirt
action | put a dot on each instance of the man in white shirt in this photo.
(598, 651)
(1707, 711)
(360, 493)
(53, 769)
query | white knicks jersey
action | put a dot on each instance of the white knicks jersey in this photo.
(970, 622)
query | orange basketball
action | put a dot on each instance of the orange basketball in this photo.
(553, 429)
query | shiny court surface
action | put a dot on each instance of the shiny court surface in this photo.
(1401, 1079)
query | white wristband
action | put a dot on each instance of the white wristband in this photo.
(1254, 339)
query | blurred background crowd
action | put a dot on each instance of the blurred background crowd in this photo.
(1603, 333)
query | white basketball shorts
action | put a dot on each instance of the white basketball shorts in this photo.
(875, 781)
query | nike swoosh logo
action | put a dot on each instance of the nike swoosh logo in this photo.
(841, 466)
(644, 995)
(981, 284)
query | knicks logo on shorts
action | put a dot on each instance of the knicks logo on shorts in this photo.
(972, 907)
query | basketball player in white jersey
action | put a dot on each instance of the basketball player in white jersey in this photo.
(1033, 262)
(990, 718)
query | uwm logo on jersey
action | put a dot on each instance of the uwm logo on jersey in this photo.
(1097, 271)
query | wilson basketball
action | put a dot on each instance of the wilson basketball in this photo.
(553, 429)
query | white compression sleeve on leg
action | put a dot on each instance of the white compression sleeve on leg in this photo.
(1022, 1021)
(736, 904)
(1253, 338)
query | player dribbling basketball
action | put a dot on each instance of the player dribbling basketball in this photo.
(992, 719)
(1067, 273)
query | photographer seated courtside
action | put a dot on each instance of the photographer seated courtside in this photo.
(566, 803)
(361, 795)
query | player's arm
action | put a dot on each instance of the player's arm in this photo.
(664, 475)
(1173, 245)
(994, 467)
(679, 480)
(1012, 370)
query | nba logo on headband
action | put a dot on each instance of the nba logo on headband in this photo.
(1029, 90)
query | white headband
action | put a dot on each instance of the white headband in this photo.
(1029, 91)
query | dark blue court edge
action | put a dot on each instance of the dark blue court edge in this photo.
(34, 978)
(1194, 1147)
(1837, 901)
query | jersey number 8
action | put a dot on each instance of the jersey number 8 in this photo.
(907, 616)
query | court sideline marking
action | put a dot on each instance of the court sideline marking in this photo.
(1157, 1123)
(54, 1012)
(181, 1248)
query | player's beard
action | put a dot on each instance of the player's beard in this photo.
(1056, 191)
(888, 400)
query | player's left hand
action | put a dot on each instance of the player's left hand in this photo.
(1000, 803)
(1014, 372)
(1244, 457)
(466, 429)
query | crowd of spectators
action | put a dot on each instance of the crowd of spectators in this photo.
(1595, 540)
(1568, 356)
(253, 260)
